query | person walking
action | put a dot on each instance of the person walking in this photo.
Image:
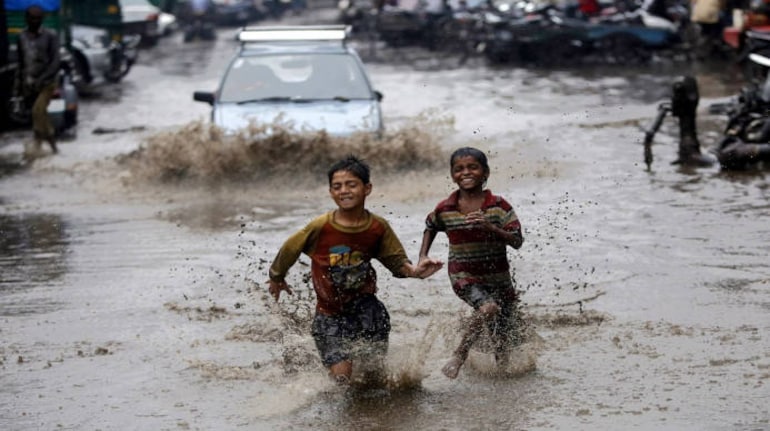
(38, 50)
(708, 16)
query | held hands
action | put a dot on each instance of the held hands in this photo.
(275, 288)
(427, 267)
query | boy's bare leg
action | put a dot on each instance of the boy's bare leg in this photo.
(341, 372)
(478, 319)
(502, 357)
(507, 337)
(372, 364)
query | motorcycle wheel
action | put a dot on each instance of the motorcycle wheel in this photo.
(623, 49)
(559, 51)
(753, 73)
(120, 66)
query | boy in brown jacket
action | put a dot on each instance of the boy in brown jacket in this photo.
(341, 245)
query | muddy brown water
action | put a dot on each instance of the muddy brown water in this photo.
(135, 299)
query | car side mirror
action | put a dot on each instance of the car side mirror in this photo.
(204, 96)
(378, 95)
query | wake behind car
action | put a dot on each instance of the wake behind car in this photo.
(303, 76)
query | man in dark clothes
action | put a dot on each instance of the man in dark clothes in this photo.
(39, 60)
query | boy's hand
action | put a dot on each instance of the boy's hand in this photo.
(427, 267)
(477, 217)
(275, 288)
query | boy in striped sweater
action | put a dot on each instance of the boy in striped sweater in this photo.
(479, 226)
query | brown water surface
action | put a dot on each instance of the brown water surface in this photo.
(132, 293)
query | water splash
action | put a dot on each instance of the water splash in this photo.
(202, 152)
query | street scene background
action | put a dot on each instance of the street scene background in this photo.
(131, 300)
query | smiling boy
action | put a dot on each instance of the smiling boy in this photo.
(341, 245)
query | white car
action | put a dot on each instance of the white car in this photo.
(303, 76)
(140, 17)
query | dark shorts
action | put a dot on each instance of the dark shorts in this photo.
(477, 295)
(508, 323)
(361, 329)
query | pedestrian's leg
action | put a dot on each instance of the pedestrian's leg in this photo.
(41, 124)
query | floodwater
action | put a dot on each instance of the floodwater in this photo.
(133, 294)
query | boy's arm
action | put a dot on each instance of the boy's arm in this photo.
(424, 268)
(287, 255)
(427, 241)
(394, 258)
(512, 237)
(275, 288)
(285, 259)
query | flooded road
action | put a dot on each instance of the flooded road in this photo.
(129, 300)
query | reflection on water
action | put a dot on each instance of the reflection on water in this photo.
(32, 253)
(10, 164)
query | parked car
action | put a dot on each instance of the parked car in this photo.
(304, 76)
(167, 23)
(96, 59)
(140, 17)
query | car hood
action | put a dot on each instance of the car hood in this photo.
(337, 118)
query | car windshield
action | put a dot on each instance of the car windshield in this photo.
(294, 77)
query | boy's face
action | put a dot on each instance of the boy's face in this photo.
(468, 173)
(348, 191)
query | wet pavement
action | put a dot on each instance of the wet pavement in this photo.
(131, 300)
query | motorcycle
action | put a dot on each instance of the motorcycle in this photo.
(197, 24)
(122, 56)
(550, 36)
(756, 44)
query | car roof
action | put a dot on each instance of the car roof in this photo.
(265, 40)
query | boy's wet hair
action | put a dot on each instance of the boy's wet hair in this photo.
(472, 152)
(352, 164)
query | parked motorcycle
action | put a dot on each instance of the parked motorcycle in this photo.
(197, 24)
(746, 139)
(463, 31)
(199, 27)
(547, 35)
(757, 44)
(412, 22)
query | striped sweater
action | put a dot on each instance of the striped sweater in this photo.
(475, 256)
